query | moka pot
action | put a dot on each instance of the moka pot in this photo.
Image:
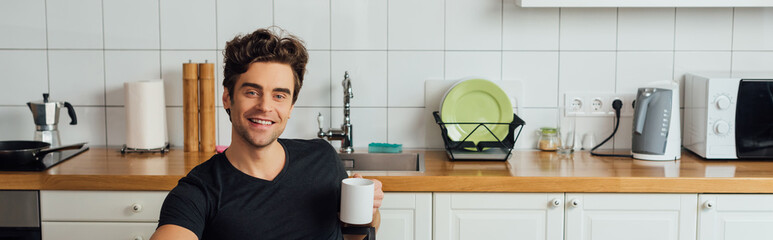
(46, 116)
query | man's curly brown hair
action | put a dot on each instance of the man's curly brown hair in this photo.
(264, 45)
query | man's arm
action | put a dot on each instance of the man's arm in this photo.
(171, 231)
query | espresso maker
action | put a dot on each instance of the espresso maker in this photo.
(46, 116)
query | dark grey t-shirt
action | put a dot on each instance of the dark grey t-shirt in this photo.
(217, 201)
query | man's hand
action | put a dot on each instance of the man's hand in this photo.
(378, 193)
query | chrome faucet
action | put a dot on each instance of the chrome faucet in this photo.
(345, 133)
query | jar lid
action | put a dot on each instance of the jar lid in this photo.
(548, 130)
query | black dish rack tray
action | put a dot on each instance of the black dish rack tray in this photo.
(498, 150)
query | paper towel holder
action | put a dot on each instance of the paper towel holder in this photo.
(162, 150)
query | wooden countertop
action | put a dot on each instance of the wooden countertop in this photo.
(525, 171)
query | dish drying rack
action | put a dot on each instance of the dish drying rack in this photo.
(498, 150)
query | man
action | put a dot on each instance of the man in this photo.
(261, 187)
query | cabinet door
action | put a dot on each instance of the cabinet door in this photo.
(735, 216)
(630, 216)
(96, 230)
(406, 216)
(499, 216)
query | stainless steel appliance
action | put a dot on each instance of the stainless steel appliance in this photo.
(656, 133)
(46, 116)
(729, 118)
(20, 215)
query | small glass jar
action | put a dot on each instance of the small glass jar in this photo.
(548, 139)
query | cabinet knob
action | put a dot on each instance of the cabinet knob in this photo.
(555, 202)
(136, 208)
(138, 238)
(708, 204)
(575, 203)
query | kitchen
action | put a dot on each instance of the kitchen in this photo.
(83, 52)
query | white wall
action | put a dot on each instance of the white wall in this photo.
(83, 51)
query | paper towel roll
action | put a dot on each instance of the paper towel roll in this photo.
(145, 114)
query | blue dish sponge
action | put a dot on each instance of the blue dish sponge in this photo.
(385, 148)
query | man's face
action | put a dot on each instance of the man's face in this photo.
(262, 102)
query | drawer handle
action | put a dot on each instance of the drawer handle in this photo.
(136, 208)
(138, 238)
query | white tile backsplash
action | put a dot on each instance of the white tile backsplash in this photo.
(404, 124)
(128, 66)
(486, 65)
(407, 72)
(131, 24)
(24, 24)
(529, 28)
(172, 72)
(538, 74)
(84, 51)
(753, 29)
(636, 69)
(586, 72)
(416, 25)
(188, 24)
(703, 28)
(473, 25)
(25, 76)
(238, 17)
(367, 71)
(316, 83)
(90, 128)
(17, 123)
(645, 29)
(77, 76)
(74, 24)
(358, 24)
(308, 19)
(588, 28)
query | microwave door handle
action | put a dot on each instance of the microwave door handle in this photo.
(641, 113)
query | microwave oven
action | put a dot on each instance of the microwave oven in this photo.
(728, 118)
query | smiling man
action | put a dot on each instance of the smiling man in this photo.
(261, 187)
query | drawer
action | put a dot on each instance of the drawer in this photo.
(96, 230)
(94, 206)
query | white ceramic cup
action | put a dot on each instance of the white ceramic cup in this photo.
(357, 200)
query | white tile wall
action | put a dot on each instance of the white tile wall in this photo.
(703, 28)
(74, 24)
(473, 25)
(308, 19)
(188, 24)
(529, 28)
(416, 25)
(588, 29)
(358, 24)
(645, 29)
(238, 17)
(131, 24)
(84, 51)
(24, 24)
(77, 76)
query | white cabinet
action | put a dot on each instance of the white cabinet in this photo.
(735, 216)
(499, 216)
(644, 3)
(406, 216)
(99, 215)
(630, 216)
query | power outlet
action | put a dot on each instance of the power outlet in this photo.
(597, 104)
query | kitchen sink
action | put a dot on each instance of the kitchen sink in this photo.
(383, 161)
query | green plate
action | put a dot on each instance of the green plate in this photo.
(476, 100)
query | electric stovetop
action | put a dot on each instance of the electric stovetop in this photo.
(50, 160)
